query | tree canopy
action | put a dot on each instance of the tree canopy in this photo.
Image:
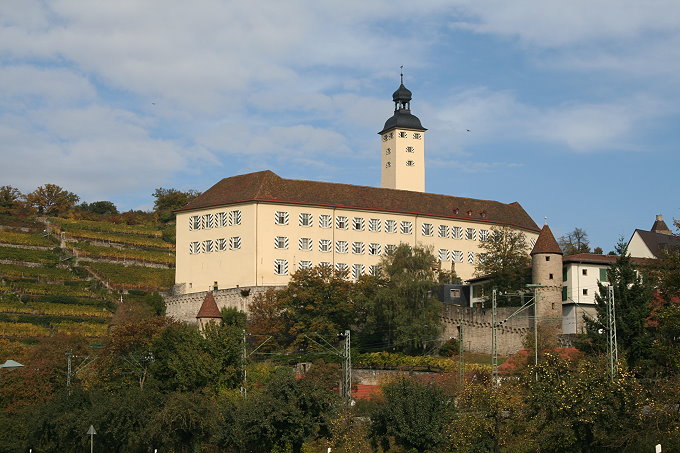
(52, 200)
(167, 200)
(575, 242)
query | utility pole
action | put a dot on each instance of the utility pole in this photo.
(536, 333)
(347, 367)
(461, 355)
(612, 349)
(245, 357)
(69, 356)
(494, 339)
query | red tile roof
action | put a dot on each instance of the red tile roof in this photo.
(546, 243)
(593, 258)
(266, 186)
(209, 308)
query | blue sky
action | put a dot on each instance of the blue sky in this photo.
(573, 108)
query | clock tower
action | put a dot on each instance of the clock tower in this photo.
(403, 146)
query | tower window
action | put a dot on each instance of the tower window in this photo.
(386, 137)
(403, 134)
(410, 163)
(417, 135)
(409, 149)
(388, 165)
(584, 271)
(550, 276)
(388, 151)
(547, 258)
(585, 291)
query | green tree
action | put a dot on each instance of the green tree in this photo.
(632, 295)
(505, 261)
(578, 407)
(414, 414)
(99, 207)
(575, 242)
(404, 312)
(52, 200)
(167, 200)
(186, 360)
(10, 199)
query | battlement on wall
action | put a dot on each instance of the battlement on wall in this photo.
(184, 307)
(476, 325)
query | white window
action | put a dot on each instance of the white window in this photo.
(208, 221)
(357, 271)
(305, 244)
(221, 244)
(235, 243)
(341, 267)
(304, 264)
(409, 149)
(410, 163)
(456, 232)
(470, 234)
(358, 224)
(235, 217)
(341, 246)
(406, 227)
(457, 256)
(358, 248)
(280, 242)
(403, 134)
(443, 231)
(325, 221)
(194, 247)
(222, 219)
(427, 229)
(374, 225)
(325, 264)
(194, 222)
(390, 226)
(374, 270)
(443, 255)
(483, 235)
(341, 222)
(281, 218)
(324, 245)
(417, 135)
(532, 241)
(281, 267)
(471, 257)
(208, 246)
(374, 249)
(390, 248)
(305, 219)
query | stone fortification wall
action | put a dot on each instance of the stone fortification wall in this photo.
(184, 307)
(476, 324)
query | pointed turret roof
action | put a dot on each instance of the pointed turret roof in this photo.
(660, 226)
(209, 308)
(546, 243)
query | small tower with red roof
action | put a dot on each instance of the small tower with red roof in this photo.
(547, 273)
(208, 312)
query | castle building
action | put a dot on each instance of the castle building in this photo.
(257, 229)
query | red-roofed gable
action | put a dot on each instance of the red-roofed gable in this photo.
(546, 243)
(209, 308)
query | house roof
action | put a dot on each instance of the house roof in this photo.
(660, 226)
(546, 243)
(592, 258)
(266, 186)
(209, 308)
(658, 242)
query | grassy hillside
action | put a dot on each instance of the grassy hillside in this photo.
(66, 275)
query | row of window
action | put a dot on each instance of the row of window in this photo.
(376, 226)
(218, 220)
(409, 149)
(326, 245)
(215, 245)
(458, 256)
(357, 270)
(402, 134)
(409, 163)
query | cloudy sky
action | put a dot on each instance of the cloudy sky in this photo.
(573, 108)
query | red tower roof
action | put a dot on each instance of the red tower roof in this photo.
(209, 308)
(546, 243)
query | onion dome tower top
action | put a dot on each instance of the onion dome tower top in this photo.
(402, 118)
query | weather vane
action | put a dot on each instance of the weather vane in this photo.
(402, 73)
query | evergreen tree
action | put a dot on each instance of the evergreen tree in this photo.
(632, 295)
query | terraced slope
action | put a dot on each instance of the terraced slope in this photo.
(67, 276)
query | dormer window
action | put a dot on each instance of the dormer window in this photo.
(469, 213)
(456, 211)
(483, 214)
